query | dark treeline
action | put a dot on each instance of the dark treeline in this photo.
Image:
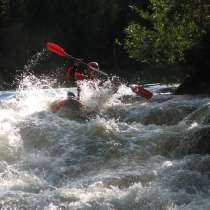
(87, 29)
(166, 39)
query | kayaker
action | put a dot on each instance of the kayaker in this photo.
(77, 72)
(74, 73)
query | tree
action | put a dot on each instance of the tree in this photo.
(171, 28)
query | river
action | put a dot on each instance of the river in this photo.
(134, 154)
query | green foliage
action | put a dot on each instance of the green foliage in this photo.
(172, 27)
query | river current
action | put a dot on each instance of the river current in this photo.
(134, 154)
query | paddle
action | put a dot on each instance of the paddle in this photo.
(52, 47)
(138, 89)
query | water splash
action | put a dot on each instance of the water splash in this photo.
(100, 97)
(49, 162)
(36, 59)
(33, 93)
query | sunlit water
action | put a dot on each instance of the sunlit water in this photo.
(133, 154)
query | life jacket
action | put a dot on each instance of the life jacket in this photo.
(72, 75)
(79, 76)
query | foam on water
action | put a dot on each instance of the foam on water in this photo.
(132, 155)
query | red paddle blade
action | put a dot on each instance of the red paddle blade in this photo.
(140, 91)
(52, 47)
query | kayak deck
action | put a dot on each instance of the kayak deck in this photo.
(71, 108)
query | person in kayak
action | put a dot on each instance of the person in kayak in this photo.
(77, 72)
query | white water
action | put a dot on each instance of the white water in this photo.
(133, 155)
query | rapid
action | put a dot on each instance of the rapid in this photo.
(134, 154)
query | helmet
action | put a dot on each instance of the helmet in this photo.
(94, 65)
(70, 95)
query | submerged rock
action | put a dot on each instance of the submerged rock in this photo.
(197, 142)
(193, 85)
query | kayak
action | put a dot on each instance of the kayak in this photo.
(70, 103)
(71, 108)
